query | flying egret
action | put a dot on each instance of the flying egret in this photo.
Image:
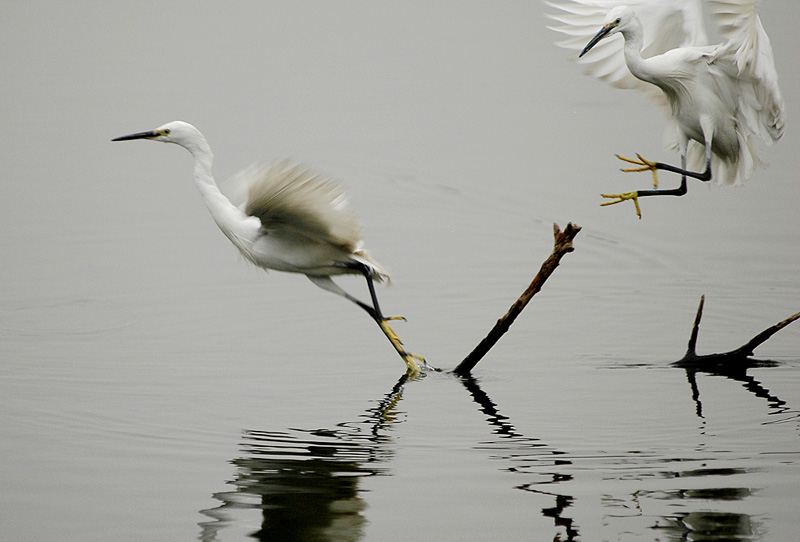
(290, 219)
(721, 97)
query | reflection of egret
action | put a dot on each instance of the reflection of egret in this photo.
(708, 525)
(721, 96)
(306, 483)
(292, 220)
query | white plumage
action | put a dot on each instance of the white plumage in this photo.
(721, 98)
(285, 217)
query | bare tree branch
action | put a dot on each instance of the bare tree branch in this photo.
(692, 359)
(562, 245)
(696, 328)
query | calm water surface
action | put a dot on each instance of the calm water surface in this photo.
(155, 388)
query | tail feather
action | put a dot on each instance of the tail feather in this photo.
(378, 272)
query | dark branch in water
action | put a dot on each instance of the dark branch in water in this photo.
(737, 355)
(696, 327)
(734, 365)
(563, 245)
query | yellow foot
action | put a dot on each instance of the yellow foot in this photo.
(389, 332)
(622, 197)
(647, 165)
(410, 359)
(411, 363)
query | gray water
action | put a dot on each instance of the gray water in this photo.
(153, 387)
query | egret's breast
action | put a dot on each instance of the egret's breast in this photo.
(287, 251)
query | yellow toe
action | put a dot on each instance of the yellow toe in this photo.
(646, 165)
(619, 198)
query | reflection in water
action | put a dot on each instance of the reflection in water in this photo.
(528, 456)
(692, 502)
(687, 513)
(738, 373)
(733, 365)
(306, 482)
(708, 526)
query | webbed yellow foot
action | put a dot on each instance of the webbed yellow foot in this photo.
(623, 197)
(647, 165)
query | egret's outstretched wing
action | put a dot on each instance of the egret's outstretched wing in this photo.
(666, 24)
(734, 17)
(291, 197)
(761, 103)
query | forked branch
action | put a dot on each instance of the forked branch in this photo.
(692, 359)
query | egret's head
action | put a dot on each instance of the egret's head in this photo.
(616, 20)
(178, 132)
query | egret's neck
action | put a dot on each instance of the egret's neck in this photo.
(634, 42)
(231, 220)
(203, 160)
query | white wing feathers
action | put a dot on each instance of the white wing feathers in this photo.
(666, 24)
(745, 69)
(749, 46)
(298, 206)
(291, 197)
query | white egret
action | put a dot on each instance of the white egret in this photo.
(721, 97)
(290, 220)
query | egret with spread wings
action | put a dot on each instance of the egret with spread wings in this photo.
(721, 98)
(289, 219)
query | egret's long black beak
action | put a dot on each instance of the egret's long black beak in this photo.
(141, 135)
(597, 37)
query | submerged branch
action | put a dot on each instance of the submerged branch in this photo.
(747, 349)
(562, 246)
(690, 351)
(692, 359)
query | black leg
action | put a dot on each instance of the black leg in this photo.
(680, 191)
(704, 176)
(374, 310)
(371, 286)
(653, 166)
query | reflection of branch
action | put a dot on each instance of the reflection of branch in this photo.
(503, 427)
(563, 245)
(739, 374)
(733, 364)
(692, 378)
(518, 447)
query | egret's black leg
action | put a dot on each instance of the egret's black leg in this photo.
(647, 165)
(372, 294)
(370, 310)
(653, 166)
(375, 312)
(375, 309)
(704, 176)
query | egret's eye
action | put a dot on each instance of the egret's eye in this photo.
(165, 131)
(618, 20)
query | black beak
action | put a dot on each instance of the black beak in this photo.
(597, 37)
(141, 135)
